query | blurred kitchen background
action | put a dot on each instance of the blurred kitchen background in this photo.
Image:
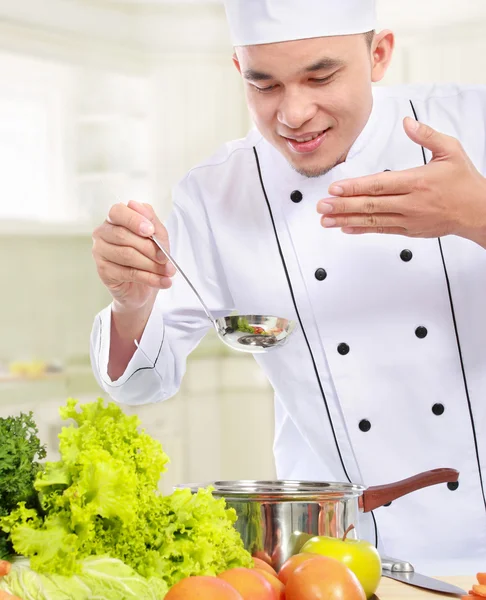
(104, 101)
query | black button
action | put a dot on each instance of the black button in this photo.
(406, 255)
(387, 504)
(296, 196)
(343, 349)
(365, 425)
(421, 332)
(321, 274)
(438, 409)
(387, 170)
(453, 486)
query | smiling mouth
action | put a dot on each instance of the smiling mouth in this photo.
(306, 138)
(307, 143)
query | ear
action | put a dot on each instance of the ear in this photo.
(381, 54)
(236, 62)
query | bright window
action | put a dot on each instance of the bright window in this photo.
(33, 100)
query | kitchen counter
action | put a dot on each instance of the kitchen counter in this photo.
(9, 378)
(74, 381)
(393, 590)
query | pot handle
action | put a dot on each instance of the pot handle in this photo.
(377, 496)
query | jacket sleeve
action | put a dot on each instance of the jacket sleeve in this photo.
(177, 323)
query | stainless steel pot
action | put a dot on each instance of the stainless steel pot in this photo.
(276, 518)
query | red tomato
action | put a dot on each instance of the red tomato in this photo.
(326, 579)
(264, 566)
(203, 588)
(292, 563)
(277, 585)
(249, 583)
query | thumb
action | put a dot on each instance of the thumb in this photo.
(147, 211)
(144, 209)
(439, 144)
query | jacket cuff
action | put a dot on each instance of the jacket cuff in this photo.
(145, 356)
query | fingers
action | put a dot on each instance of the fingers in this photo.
(147, 211)
(124, 251)
(364, 221)
(382, 184)
(380, 230)
(123, 238)
(358, 205)
(136, 218)
(124, 216)
(128, 256)
(113, 274)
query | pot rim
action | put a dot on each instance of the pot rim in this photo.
(278, 490)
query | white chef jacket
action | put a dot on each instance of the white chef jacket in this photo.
(385, 376)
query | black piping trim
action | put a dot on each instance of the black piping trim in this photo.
(135, 372)
(303, 330)
(376, 528)
(458, 340)
(298, 314)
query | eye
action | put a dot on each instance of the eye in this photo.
(264, 90)
(323, 80)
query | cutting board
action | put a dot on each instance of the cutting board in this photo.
(392, 590)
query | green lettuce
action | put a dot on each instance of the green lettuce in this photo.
(100, 578)
(102, 499)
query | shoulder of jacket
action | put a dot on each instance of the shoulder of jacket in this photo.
(429, 92)
(226, 153)
(228, 157)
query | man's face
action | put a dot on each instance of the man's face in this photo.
(309, 98)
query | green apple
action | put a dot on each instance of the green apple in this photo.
(359, 556)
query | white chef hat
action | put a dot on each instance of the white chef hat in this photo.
(255, 22)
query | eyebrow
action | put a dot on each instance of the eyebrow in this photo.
(324, 64)
(253, 75)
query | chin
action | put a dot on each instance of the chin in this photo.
(312, 172)
(312, 165)
(313, 168)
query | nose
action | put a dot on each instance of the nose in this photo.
(296, 109)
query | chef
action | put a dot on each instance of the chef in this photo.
(359, 212)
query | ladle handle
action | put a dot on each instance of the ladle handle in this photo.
(169, 257)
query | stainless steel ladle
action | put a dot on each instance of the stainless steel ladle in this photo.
(247, 333)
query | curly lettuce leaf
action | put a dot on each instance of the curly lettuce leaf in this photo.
(199, 538)
(102, 499)
(49, 542)
(102, 578)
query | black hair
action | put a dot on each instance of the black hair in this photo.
(370, 36)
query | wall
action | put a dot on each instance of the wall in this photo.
(199, 105)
